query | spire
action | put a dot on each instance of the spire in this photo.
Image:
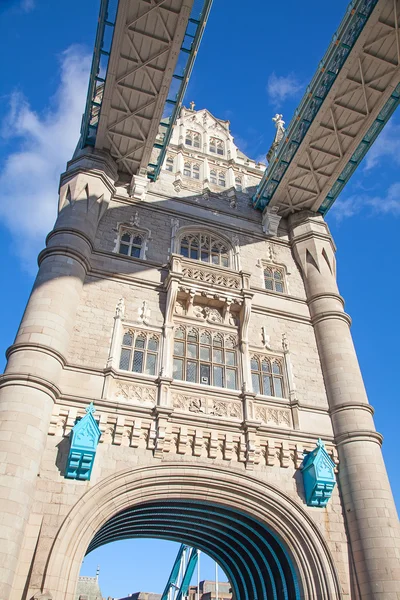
(280, 130)
(97, 571)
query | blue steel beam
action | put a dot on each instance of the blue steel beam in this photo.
(362, 149)
(173, 578)
(98, 71)
(180, 79)
(187, 577)
(356, 17)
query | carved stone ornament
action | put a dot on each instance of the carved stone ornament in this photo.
(276, 417)
(135, 392)
(180, 308)
(120, 309)
(270, 220)
(199, 274)
(202, 404)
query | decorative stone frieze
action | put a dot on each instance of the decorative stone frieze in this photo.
(206, 405)
(161, 433)
(211, 277)
(135, 393)
(277, 417)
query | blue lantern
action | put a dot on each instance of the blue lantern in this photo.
(318, 472)
(85, 436)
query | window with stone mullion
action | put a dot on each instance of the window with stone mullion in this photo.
(130, 244)
(204, 248)
(273, 280)
(267, 376)
(204, 357)
(139, 352)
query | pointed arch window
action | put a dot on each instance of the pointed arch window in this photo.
(238, 184)
(217, 146)
(221, 179)
(131, 243)
(169, 164)
(139, 352)
(205, 248)
(192, 138)
(191, 170)
(267, 376)
(274, 279)
(213, 177)
(205, 357)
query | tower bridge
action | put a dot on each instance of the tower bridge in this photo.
(184, 368)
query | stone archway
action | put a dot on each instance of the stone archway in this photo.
(150, 490)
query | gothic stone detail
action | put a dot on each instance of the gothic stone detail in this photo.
(277, 417)
(210, 406)
(213, 278)
(133, 392)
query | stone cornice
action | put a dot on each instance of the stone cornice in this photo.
(29, 380)
(20, 347)
(331, 314)
(71, 231)
(351, 406)
(65, 251)
(359, 436)
(324, 295)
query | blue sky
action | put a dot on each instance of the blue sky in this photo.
(251, 64)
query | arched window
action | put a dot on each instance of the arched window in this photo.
(205, 357)
(131, 243)
(213, 177)
(192, 138)
(238, 184)
(191, 170)
(267, 376)
(217, 146)
(139, 352)
(221, 179)
(169, 164)
(206, 248)
(274, 280)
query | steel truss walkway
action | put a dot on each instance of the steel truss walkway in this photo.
(348, 102)
(143, 57)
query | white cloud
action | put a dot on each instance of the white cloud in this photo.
(386, 146)
(42, 145)
(281, 87)
(388, 204)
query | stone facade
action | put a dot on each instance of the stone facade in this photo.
(127, 266)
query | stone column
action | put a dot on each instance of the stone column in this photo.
(372, 523)
(28, 388)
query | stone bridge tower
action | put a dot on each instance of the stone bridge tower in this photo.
(176, 368)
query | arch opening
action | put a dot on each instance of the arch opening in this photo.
(255, 561)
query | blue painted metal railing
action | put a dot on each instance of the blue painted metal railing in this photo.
(98, 71)
(180, 79)
(362, 149)
(342, 43)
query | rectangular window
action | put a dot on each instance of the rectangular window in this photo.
(177, 372)
(191, 371)
(205, 374)
(218, 375)
(231, 379)
(139, 352)
(256, 383)
(137, 365)
(205, 357)
(151, 364)
(125, 359)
